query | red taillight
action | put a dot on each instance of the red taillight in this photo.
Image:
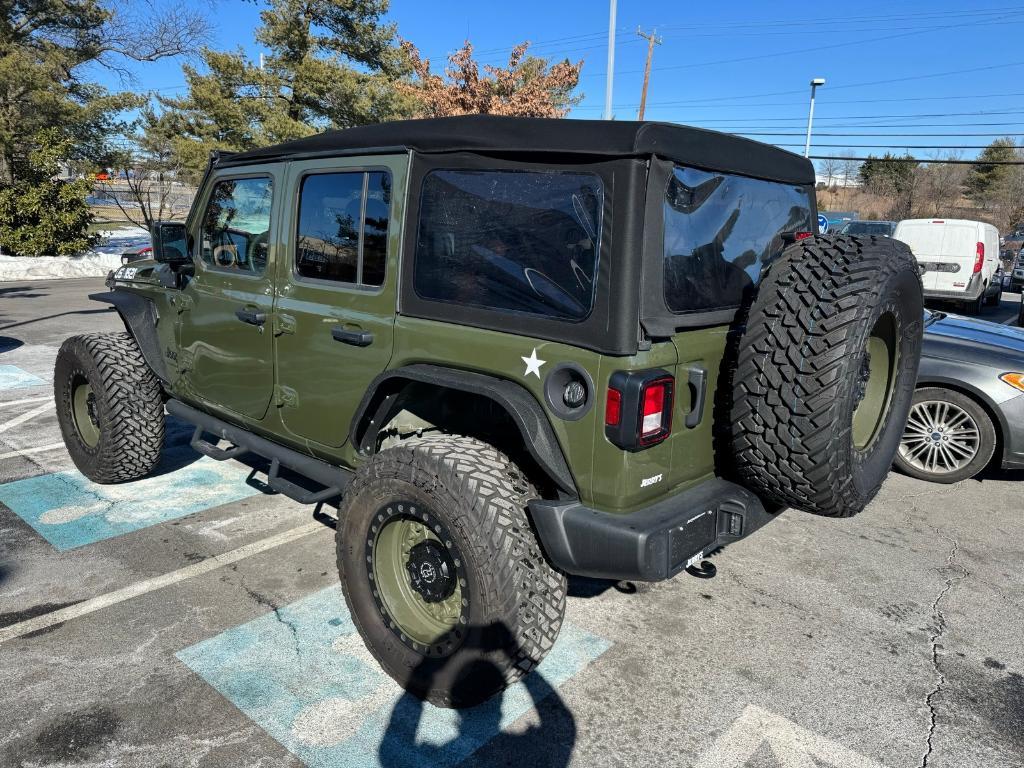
(613, 408)
(802, 235)
(979, 262)
(655, 411)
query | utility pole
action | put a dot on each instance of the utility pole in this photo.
(610, 75)
(652, 40)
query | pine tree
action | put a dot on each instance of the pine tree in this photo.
(331, 64)
(46, 47)
(988, 179)
(40, 214)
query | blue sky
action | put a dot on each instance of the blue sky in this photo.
(912, 69)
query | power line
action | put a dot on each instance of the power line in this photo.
(755, 105)
(851, 19)
(796, 51)
(917, 160)
(893, 146)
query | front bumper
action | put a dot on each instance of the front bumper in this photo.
(654, 543)
(1012, 417)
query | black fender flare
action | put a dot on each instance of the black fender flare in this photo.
(383, 400)
(140, 317)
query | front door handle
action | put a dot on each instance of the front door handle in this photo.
(251, 316)
(355, 338)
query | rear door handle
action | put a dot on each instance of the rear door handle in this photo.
(251, 316)
(355, 338)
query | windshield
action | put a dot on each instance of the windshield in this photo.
(720, 231)
(512, 241)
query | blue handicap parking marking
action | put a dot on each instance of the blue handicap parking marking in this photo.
(70, 511)
(303, 674)
(13, 377)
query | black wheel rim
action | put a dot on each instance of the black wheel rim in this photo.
(418, 578)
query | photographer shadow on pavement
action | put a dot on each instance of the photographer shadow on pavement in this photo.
(546, 738)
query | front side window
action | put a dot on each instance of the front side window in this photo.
(720, 231)
(510, 241)
(236, 225)
(343, 227)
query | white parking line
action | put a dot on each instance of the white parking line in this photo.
(24, 401)
(157, 582)
(28, 451)
(25, 417)
(792, 745)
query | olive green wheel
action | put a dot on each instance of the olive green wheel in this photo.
(441, 571)
(874, 388)
(109, 407)
(417, 574)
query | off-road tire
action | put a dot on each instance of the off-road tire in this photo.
(128, 406)
(799, 358)
(516, 599)
(987, 438)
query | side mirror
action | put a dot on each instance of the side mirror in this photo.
(170, 242)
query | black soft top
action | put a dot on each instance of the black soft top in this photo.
(544, 137)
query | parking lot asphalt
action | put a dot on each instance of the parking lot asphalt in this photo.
(191, 619)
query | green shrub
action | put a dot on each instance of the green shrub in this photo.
(40, 214)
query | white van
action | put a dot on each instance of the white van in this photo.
(958, 259)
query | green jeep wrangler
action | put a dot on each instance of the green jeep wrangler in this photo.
(510, 349)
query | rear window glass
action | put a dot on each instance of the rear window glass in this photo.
(720, 231)
(511, 241)
(867, 228)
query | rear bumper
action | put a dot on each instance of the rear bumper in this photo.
(654, 543)
(974, 289)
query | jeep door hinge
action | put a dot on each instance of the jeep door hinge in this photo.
(283, 323)
(285, 396)
(182, 303)
(184, 360)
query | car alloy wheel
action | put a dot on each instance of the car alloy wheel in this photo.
(940, 438)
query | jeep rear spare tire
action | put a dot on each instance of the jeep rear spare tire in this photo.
(441, 570)
(825, 373)
(109, 407)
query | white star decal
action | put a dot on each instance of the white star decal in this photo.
(533, 364)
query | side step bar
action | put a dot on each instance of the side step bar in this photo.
(333, 479)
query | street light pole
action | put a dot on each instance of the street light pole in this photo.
(611, 62)
(810, 113)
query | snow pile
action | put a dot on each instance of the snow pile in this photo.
(95, 263)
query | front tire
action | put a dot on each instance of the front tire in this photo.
(948, 437)
(825, 373)
(442, 572)
(109, 407)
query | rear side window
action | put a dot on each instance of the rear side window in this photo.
(343, 227)
(511, 241)
(236, 225)
(720, 231)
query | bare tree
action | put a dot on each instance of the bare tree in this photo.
(147, 184)
(830, 168)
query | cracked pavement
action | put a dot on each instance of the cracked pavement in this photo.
(898, 634)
